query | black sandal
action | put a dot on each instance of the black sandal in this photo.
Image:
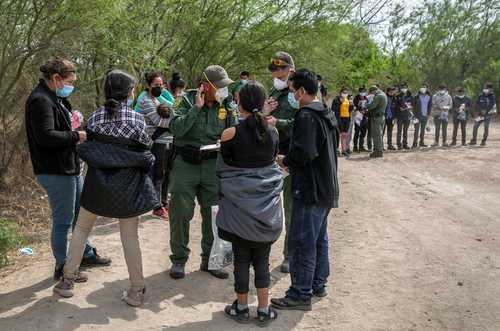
(240, 316)
(264, 319)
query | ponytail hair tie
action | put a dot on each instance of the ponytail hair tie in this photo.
(255, 111)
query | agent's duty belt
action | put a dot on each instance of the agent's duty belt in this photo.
(193, 155)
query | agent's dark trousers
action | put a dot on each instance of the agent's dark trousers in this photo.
(244, 255)
(463, 125)
(486, 129)
(419, 132)
(403, 126)
(309, 266)
(369, 135)
(440, 124)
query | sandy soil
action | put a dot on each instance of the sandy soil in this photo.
(414, 246)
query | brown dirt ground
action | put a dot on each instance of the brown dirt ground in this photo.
(414, 246)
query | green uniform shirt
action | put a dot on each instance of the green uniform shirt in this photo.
(197, 127)
(377, 107)
(235, 87)
(283, 113)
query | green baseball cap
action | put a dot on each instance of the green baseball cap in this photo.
(281, 60)
(216, 75)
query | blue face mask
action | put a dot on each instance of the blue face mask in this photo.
(65, 91)
(293, 102)
(130, 102)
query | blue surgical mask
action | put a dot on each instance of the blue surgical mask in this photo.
(243, 81)
(293, 102)
(130, 102)
(65, 91)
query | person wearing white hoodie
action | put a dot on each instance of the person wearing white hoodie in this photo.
(441, 106)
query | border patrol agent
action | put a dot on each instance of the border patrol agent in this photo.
(281, 67)
(200, 119)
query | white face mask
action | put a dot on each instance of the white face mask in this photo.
(221, 94)
(344, 95)
(362, 94)
(404, 90)
(280, 84)
(423, 90)
(486, 91)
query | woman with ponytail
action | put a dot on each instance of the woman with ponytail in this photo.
(250, 209)
(117, 185)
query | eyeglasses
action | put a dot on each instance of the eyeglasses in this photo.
(279, 63)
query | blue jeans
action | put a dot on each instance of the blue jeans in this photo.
(308, 245)
(64, 199)
(486, 129)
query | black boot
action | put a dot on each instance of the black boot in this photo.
(376, 154)
(95, 260)
(288, 303)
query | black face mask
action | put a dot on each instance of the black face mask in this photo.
(156, 91)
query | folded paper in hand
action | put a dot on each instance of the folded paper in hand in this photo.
(210, 148)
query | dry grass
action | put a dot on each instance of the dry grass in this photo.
(25, 202)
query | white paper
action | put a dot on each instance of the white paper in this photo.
(209, 148)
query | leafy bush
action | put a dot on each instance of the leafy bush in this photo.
(9, 239)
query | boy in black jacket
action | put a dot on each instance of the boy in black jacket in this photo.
(312, 160)
(404, 114)
(462, 107)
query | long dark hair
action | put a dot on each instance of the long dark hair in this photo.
(150, 76)
(59, 66)
(252, 100)
(176, 82)
(117, 87)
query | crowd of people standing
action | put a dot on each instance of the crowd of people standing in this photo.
(268, 160)
(398, 107)
(223, 143)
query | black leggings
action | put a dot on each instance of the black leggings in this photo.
(161, 170)
(244, 255)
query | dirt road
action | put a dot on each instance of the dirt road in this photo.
(414, 246)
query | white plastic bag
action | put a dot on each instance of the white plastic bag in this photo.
(358, 117)
(221, 254)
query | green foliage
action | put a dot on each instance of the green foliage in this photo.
(9, 239)
(455, 41)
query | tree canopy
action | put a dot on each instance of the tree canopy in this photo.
(452, 41)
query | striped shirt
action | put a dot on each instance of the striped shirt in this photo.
(147, 106)
(125, 124)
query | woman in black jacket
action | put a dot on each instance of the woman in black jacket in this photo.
(117, 184)
(52, 145)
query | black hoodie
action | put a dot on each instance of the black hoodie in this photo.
(312, 157)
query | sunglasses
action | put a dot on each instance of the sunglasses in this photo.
(279, 63)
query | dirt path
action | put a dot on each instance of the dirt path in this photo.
(415, 246)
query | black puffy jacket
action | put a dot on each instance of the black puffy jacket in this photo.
(117, 184)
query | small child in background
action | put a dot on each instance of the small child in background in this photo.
(77, 121)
